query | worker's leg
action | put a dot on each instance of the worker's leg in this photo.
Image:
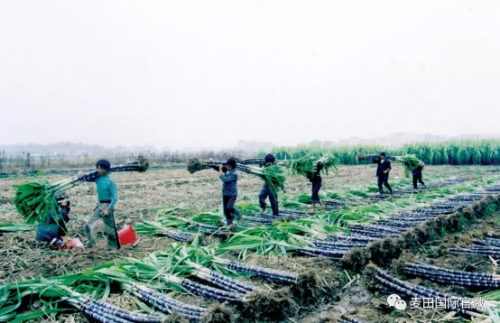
(90, 226)
(386, 183)
(415, 182)
(315, 193)
(230, 207)
(111, 231)
(380, 180)
(420, 180)
(62, 230)
(264, 193)
(274, 203)
(225, 202)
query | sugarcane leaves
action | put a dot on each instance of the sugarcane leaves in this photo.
(309, 164)
(37, 314)
(15, 227)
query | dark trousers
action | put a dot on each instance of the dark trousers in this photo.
(417, 178)
(228, 203)
(383, 180)
(264, 193)
(315, 192)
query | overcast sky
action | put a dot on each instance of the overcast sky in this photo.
(210, 73)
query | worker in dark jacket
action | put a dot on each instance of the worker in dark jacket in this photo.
(383, 169)
(315, 179)
(266, 192)
(417, 176)
(229, 189)
(56, 228)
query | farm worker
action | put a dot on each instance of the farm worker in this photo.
(417, 176)
(383, 169)
(55, 230)
(266, 192)
(107, 198)
(315, 179)
(229, 180)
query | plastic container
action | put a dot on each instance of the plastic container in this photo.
(127, 236)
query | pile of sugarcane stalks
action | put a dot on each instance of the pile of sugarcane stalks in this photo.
(385, 249)
(409, 290)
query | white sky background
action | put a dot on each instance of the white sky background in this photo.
(209, 73)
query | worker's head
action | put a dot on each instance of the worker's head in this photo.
(382, 155)
(269, 158)
(103, 166)
(63, 201)
(319, 166)
(231, 163)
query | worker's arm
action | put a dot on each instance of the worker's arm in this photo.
(81, 175)
(232, 177)
(388, 167)
(114, 194)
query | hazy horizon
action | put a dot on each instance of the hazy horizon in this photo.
(208, 74)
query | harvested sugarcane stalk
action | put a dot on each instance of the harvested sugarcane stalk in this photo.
(325, 253)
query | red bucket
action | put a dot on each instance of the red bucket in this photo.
(127, 236)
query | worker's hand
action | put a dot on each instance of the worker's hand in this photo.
(105, 212)
(220, 167)
(387, 171)
(64, 203)
(81, 174)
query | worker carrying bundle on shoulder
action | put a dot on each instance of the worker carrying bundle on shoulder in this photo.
(266, 192)
(417, 176)
(383, 169)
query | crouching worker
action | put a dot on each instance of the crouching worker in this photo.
(265, 192)
(55, 233)
(106, 200)
(229, 190)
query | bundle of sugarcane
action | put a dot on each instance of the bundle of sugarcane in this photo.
(453, 303)
(307, 165)
(51, 291)
(194, 261)
(166, 272)
(207, 223)
(452, 277)
(197, 257)
(166, 304)
(271, 174)
(279, 237)
(36, 202)
(106, 313)
(410, 162)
